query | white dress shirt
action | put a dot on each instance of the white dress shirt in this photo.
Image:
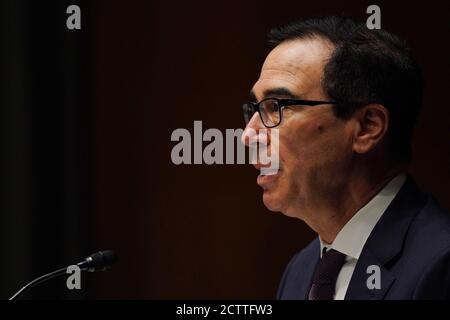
(353, 236)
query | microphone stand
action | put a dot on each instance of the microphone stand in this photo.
(99, 261)
(39, 280)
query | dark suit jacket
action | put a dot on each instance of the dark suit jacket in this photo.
(410, 243)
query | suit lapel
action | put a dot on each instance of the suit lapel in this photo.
(385, 243)
(308, 271)
(358, 288)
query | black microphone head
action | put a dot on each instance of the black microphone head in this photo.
(100, 261)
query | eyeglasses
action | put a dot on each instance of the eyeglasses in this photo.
(270, 109)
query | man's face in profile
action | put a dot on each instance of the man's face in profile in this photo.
(315, 147)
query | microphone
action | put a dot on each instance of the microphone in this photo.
(99, 261)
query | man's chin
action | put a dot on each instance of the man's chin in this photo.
(271, 202)
(274, 203)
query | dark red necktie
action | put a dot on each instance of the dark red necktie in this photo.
(325, 275)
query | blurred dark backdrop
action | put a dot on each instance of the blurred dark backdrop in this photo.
(87, 117)
(45, 159)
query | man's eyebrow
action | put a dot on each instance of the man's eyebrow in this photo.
(275, 92)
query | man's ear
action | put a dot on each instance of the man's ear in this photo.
(373, 123)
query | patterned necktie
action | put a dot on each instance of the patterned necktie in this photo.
(325, 275)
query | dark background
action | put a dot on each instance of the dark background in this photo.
(87, 118)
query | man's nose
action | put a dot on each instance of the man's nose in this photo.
(255, 132)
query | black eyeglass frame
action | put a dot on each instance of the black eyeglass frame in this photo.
(255, 107)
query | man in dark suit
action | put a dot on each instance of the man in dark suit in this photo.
(344, 101)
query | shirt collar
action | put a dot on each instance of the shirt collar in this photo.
(352, 237)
